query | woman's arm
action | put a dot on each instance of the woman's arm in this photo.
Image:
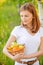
(33, 55)
(5, 51)
(37, 54)
(10, 40)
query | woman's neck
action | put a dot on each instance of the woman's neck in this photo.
(29, 26)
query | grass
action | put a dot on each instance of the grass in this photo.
(9, 18)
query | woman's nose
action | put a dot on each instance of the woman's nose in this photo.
(23, 17)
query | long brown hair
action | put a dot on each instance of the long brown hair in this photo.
(35, 21)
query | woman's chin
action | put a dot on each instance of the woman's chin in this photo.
(24, 24)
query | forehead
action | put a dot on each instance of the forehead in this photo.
(26, 12)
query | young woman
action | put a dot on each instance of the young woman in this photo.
(30, 33)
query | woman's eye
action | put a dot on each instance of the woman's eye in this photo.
(26, 16)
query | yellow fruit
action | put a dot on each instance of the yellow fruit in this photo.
(14, 44)
(15, 48)
(10, 47)
(21, 46)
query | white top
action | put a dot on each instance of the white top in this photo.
(32, 43)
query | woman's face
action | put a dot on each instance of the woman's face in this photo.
(26, 17)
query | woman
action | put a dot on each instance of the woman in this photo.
(30, 33)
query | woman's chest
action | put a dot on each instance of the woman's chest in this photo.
(28, 39)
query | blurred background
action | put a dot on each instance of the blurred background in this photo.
(9, 18)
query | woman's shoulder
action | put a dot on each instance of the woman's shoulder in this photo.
(17, 27)
(15, 31)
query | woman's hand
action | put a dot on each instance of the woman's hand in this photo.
(18, 57)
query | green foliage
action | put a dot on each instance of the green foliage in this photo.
(9, 18)
(35, 2)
